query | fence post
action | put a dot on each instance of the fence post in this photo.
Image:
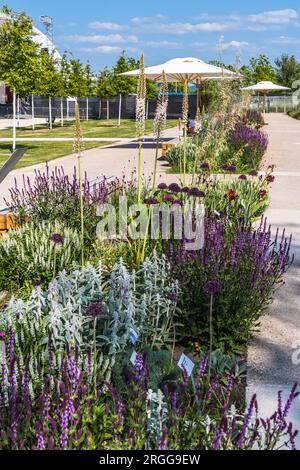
(284, 104)
(62, 112)
(100, 108)
(14, 120)
(87, 109)
(50, 112)
(107, 109)
(120, 110)
(32, 112)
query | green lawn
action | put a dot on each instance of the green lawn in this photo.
(40, 152)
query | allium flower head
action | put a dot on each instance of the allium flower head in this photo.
(270, 178)
(196, 192)
(57, 238)
(178, 202)
(174, 187)
(151, 201)
(212, 287)
(172, 296)
(242, 177)
(204, 166)
(169, 198)
(96, 310)
(185, 189)
(253, 173)
(162, 186)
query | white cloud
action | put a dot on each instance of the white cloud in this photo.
(275, 17)
(235, 45)
(137, 20)
(105, 38)
(171, 45)
(105, 49)
(107, 26)
(185, 28)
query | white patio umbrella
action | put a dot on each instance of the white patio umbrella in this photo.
(265, 87)
(184, 69)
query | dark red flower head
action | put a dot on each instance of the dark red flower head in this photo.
(57, 239)
(96, 310)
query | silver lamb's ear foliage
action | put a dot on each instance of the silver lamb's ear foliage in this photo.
(144, 300)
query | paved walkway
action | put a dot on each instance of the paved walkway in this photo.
(114, 160)
(270, 356)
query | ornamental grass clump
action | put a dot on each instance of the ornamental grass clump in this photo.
(77, 407)
(248, 264)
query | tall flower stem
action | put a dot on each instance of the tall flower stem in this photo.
(140, 120)
(210, 335)
(160, 118)
(185, 110)
(78, 147)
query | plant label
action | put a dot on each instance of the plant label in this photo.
(133, 358)
(133, 336)
(186, 364)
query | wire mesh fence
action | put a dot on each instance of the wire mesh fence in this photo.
(123, 107)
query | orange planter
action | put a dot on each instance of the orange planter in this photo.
(7, 222)
(165, 147)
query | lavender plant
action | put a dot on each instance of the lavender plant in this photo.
(247, 263)
(63, 409)
(253, 143)
(53, 195)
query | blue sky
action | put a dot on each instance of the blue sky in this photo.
(98, 30)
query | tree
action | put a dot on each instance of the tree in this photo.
(77, 78)
(50, 82)
(88, 88)
(124, 85)
(287, 69)
(18, 57)
(259, 69)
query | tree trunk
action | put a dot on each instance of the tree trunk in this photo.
(120, 110)
(14, 120)
(50, 113)
(61, 112)
(32, 112)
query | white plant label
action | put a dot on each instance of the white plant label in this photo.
(186, 364)
(133, 358)
(133, 336)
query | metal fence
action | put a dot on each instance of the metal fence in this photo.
(124, 107)
(96, 108)
(275, 104)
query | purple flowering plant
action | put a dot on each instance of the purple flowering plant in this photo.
(77, 408)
